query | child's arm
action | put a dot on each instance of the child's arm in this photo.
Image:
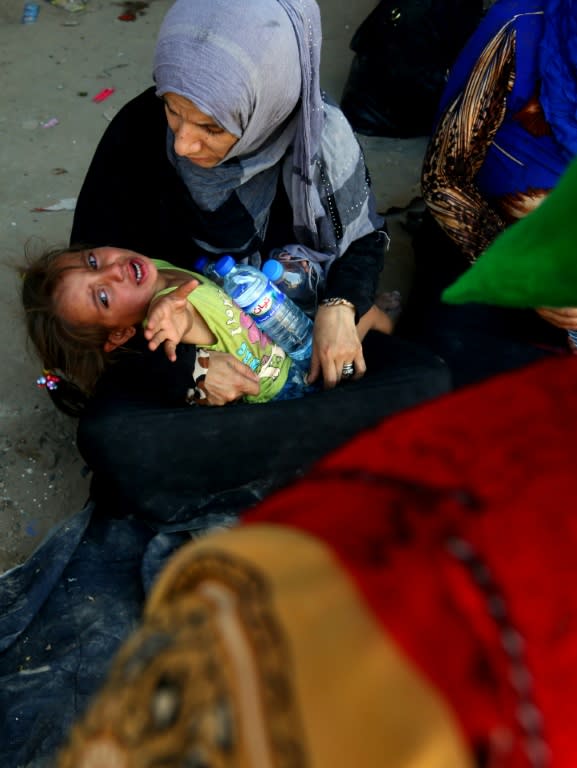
(374, 320)
(171, 320)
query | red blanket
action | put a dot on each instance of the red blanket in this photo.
(456, 521)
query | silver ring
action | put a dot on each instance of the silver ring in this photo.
(348, 370)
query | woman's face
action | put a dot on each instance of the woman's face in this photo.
(196, 136)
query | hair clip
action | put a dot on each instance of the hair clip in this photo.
(48, 380)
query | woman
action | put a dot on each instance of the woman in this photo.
(235, 145)
(507, 131)
(235, 151)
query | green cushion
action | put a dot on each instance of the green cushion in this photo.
(534, 262)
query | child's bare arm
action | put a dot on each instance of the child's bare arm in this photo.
(374, 320)
(170, 320)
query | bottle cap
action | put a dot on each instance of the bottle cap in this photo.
(273, 270)
(200, 264)
(224, 265)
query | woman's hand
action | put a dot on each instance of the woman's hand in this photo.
(565, 318)
(336, 342)
(227, 379)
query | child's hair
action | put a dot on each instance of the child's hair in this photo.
(76, 351)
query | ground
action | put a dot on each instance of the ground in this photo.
(49, 126)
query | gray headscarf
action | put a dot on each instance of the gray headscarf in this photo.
(253, 66)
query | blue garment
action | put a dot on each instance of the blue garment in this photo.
(517, 161)
(558, 67)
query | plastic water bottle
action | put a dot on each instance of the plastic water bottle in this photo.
(274, 313)
(573, 341)
(205, 266)
(296, 278)
(30, 13)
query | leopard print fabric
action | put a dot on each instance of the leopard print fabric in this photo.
(197, 395)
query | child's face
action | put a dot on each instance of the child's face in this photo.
(109, 287)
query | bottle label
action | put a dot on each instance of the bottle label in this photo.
(267, 303)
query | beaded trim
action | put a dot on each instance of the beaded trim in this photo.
(333, 210)
(529, 718)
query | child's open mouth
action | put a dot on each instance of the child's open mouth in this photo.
(138, 271)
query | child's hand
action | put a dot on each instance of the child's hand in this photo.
(374, 320)
(170, 319)
(565, 318)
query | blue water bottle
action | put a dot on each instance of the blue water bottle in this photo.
(572, 340)
(274, 313)
(296, 278)
(30, 13)
(205, 266)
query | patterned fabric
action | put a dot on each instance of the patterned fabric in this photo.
(493, 157)
(257, 75)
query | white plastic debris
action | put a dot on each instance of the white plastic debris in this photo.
(66, 204)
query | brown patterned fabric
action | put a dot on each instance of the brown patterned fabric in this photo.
(458, 148)
(234, 666)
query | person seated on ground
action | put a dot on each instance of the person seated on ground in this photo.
(83, 304)
(235, 150)
(242, 154)
(506, 132)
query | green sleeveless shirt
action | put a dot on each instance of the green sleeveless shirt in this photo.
(236, 333)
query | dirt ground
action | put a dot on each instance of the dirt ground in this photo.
(49, 126)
